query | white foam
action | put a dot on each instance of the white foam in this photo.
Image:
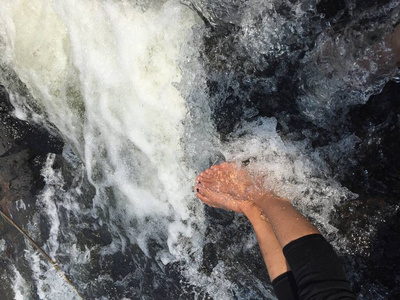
(104, 74)
(50, 283)
(289, 168)
(20, 286)
(2, 245)
(123, 85)
(105, 80)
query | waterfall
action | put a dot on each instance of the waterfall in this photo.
(147, 94)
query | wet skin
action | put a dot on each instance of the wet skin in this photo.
(275, 221)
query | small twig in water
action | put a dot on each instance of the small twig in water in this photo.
(60, 272)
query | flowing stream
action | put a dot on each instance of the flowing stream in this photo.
(148, 93)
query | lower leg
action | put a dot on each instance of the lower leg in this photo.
(228, 187)
(287, 222)
(233, 187)
(269, 245)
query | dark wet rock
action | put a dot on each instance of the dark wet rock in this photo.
(218, 216)
(371, 223)
(23, 135)
(210, 258)
(373, 254)
(228, 243)
(121, 266)
(331, 9)
(383, 264)
(378, 124)
(89, 237)
(237, 85)
(23, 151)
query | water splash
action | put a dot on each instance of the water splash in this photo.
(146, 95)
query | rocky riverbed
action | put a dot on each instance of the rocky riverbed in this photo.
(371, 259)
(23, 151)
(292, 64)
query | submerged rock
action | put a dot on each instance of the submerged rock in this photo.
(243, 84)
(23, 151)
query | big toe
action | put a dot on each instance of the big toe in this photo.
(213, 195)
(204, 179)
(206, 174)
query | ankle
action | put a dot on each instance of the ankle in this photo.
(248, 207)
(269, 197)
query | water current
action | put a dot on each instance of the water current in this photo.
(148, 93)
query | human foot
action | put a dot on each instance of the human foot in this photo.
(222, 200)
(229, 187)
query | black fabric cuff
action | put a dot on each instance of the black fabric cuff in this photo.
(285, 286)
(317, 269)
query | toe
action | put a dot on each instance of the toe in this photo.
(212, 186)
(204, 199)
(205, 179)
(207, 173)
(209, 193)
(201, 197)
(232, 165)
(198, 179)
(202, 190)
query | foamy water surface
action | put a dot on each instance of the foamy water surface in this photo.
(127, 86)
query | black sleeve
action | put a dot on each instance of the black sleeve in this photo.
(285, 287)
(317, 269)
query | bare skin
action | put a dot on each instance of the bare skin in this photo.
(229, 187)
(270, 247)
(230, 181)
(275, 221)
(224, 186)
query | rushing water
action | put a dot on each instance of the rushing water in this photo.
(146, 94)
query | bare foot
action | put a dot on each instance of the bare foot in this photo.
(229, 187)
(222, 200)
